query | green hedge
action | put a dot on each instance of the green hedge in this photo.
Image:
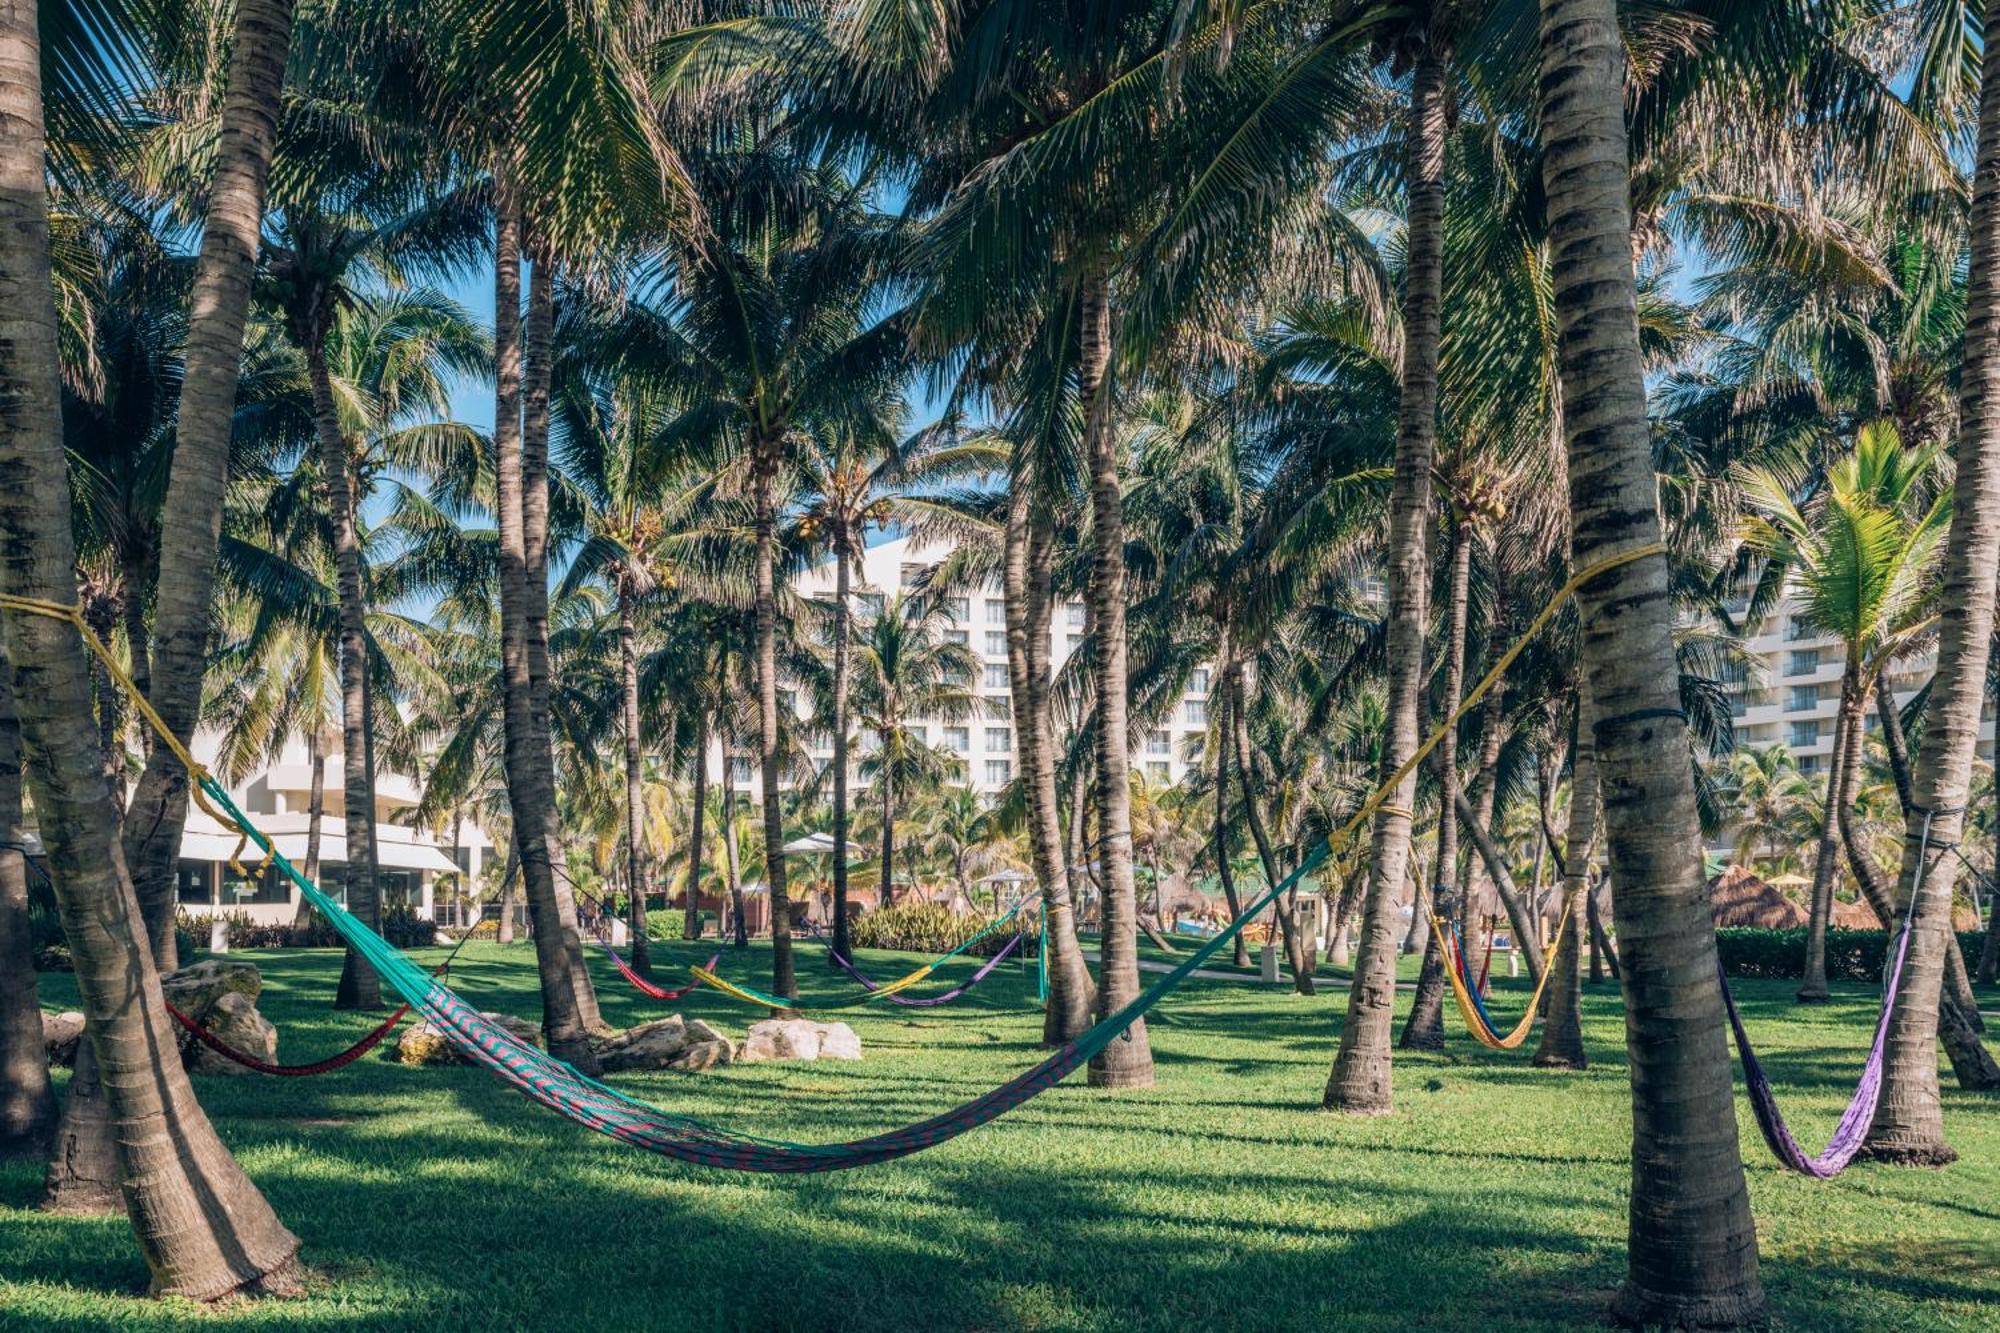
(1851, 955)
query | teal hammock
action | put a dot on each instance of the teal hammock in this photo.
(554, 1084)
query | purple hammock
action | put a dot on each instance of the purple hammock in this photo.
(946, 997)
(1852, 1130)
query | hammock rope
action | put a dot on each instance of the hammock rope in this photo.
(1852, 1129)
(560, 1087)
(636, 979)
(873, 991)
(986, 969)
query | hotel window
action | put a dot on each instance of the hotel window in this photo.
(872, 604)
(996, 611)
(912, 572)
(739, 768)
(1075, 615)
(1804, 699)
(1798, 629)
(958, 739)
(958, 608)
(1196, 711)
(1804, 734)
(1738, 706)
(192, 884)
(1158, 742)
(1198, 681)
(272, 888)
(999, 772)
(996, 675)
(921, 732)
(957, 636)
(999, 738)
(996, 643)
(1802, 662)
(1158, 771)
(999, 706)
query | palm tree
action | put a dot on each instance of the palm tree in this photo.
(1359, 1082)
(853, 479)
(27, 1099)
(905, 669)
(956, 825)
(1909, 1122)
(219, 306)
(205, 1229)
(1770, 797)
(1692, 1255)
(1861, 552)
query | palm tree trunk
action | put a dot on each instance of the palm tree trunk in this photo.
(691, 921)
(510, 879)
(729, 850)
(1909, 1121)
(537, 374)
(1127, 1062)
(1973, 1067)
(218, 308)
(635, 786)
(843, 631)
(27, 1098)
(137, 565)
(1359, 1082)
(528, 763)
(1561, 1046)
(1425, 1029)
(359, 987)
(315, 817)
(205, 1230)
(1281, 912)
(1224, 728)
(1846, 747)
(885, 786)
(1027, 578)
(1957, 979)
(764, 467)
(1692, 1255)
(1520, 916)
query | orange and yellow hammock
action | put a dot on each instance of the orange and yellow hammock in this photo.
(1477, 1021)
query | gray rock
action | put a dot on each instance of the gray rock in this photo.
(838, 1042)
(234, 1021)
(193, 989)
(702, 1055)
(61, 1033)
(648, 1046)
(699, 1031)
(425, 1044)
(798, 1039)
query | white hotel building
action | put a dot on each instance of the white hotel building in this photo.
(1791, 692)
(984, 742)
(278, 798)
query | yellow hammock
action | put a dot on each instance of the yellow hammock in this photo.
(1475, 1021)
(752, 996)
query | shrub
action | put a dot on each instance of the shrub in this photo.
(925, 928)
(1851, 955)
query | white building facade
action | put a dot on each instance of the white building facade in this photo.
(1791, 691)
(984, 741)
(279, 799)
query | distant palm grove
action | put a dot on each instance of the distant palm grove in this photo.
(1449, 490)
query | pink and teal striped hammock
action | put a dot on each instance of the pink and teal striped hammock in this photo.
(554, 1084)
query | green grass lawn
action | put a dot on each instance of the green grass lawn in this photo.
(1494, 1198)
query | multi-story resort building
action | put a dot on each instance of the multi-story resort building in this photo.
(1790, 691)
(279, 797)
(984, 741)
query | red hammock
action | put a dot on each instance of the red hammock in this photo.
(326, 1066)
(647, 988)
